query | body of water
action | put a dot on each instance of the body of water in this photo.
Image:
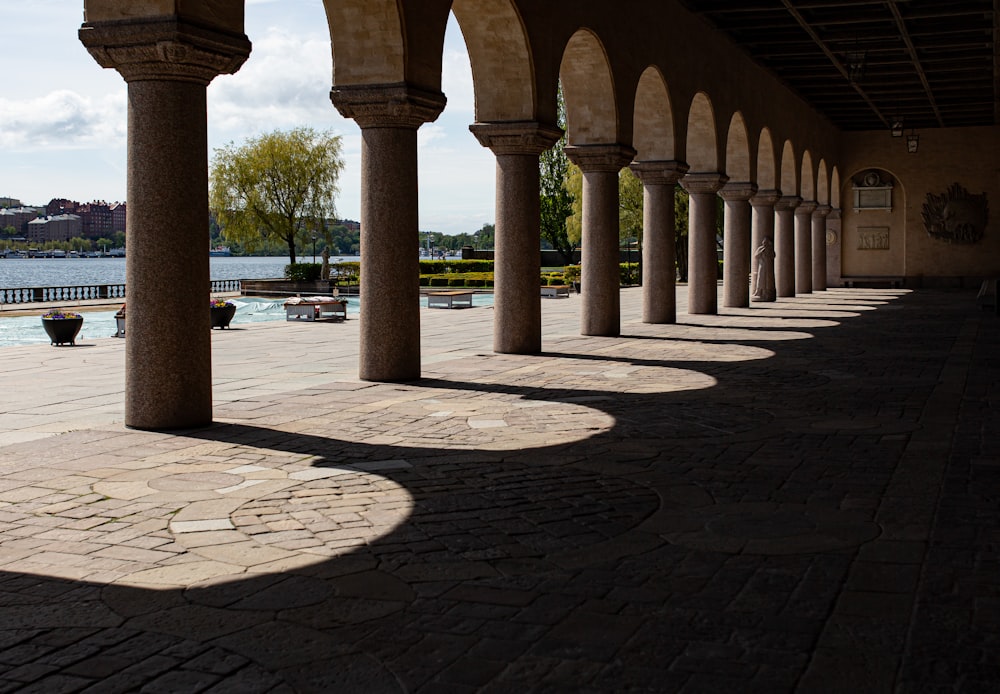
(71, 272)
(28, 330)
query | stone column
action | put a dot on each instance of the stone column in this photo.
(762, 227)
(168, 343)
(517, 314)
(659, 255)
(389, 116)
(600, 280)
(703, 259)
(819, 247)
(736, 244)
(803, 247)
(784, 244)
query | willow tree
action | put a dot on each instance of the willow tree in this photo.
(279, 185)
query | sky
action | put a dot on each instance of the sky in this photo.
(63, 117)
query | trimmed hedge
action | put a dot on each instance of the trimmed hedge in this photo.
(303, 272)
(446, 267)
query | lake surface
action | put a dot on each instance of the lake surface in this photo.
(28, 330)
(68, 272)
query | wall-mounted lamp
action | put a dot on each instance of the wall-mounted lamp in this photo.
(896, 128)
(912, 142)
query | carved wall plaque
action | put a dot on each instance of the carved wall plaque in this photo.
(872, 191)
(956, 216)
(873, 238)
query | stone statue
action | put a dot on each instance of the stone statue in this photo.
(764, 289)
(324, 272)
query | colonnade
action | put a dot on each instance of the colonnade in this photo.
(168, 66)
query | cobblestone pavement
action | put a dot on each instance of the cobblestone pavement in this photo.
(796, 497)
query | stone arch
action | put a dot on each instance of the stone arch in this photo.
(767, 167)
(702, 143)
(653, 128)
(502, 66)
(822, 184)
(367, 41)
(808, 182)
(789, 177)
(588, 90)
(738, 160)
(835, 188)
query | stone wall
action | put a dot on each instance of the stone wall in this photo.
(966, 156)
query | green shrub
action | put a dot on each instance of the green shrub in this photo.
(438, 281)
(457, 282)
(571, 273)
(425, 281)
(442, 267)
(303, 272)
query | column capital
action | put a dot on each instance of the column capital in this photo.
(765, 198)
(737, 191)
(388, 105)
(659, 173)
(822, 211)
(171, 50)
(516, 137)
(787, 202)
(805, 207)
(597, 158)
(704, 182)
(834, 213)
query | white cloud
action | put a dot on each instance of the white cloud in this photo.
(62, 119)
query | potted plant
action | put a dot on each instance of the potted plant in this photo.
(61, 326)
(222, 312)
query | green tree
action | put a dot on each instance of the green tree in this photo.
(681, 206)
(277, 186)
(485, 237)
(556, 200)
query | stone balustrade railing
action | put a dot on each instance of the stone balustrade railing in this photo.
(28, 295)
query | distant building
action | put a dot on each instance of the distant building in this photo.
(60, 227)
(17, 217)
(350, 224)
(99, 219)
(118, 217)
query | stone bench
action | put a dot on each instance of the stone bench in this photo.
(555, 291)
(314, 309)
(458, 298)
(873, 281)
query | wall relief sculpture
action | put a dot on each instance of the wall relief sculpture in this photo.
(956, 216)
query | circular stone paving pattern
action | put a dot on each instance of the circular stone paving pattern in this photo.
(477, 511)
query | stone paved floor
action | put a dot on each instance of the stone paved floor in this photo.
(797, 497)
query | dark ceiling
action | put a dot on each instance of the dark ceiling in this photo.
(927, 63)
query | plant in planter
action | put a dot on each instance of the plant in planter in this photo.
(222, 312)
(61, 326)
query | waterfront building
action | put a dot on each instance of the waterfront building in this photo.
(60, 227)
(18, 218)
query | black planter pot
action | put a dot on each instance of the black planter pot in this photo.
(62, 331)
(222, 315)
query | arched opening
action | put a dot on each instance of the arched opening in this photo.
(702, 147)
(767, 169)
(789, 179)
(367, 41)
(808, 182)
(653, 128)
(822, 185)
(738, 166)
(588, 91)
(498, 49)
